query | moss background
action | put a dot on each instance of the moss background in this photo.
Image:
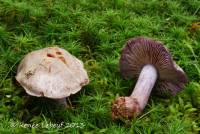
(95, 32)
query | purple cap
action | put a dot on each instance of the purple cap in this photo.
(141, 51)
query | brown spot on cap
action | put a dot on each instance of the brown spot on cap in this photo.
(29, 74)
(63, 59)
(141, 51)
(58, 53)
(50, 55)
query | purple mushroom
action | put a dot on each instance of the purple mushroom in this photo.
(150, 62)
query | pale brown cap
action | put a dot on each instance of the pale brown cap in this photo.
(51, 72)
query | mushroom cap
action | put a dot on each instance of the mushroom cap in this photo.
(141, 51)
(51, 72)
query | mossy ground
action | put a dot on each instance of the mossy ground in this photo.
(95, 31)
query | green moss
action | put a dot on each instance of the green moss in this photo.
(95, 32)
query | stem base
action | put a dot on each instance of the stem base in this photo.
(125, 107)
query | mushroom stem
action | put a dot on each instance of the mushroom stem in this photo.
(132, 106)
(144, 85)
(62, 101)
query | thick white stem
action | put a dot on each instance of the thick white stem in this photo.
(144, 85)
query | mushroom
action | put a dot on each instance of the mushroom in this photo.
(150, 62)
(51, 72)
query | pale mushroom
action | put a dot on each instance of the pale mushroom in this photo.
(53, 73)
